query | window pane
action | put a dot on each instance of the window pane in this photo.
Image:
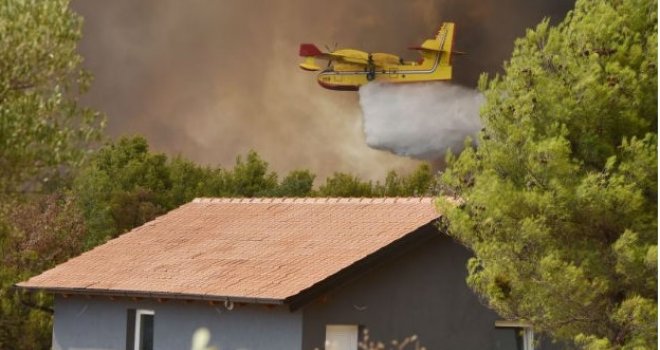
(341, 337)
(130, 329)
(146, 332)
(508, 339)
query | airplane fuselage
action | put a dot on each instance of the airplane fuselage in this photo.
(349, 77)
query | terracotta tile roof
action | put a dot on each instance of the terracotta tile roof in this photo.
(263, 250)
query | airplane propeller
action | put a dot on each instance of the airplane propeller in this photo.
(327, 47)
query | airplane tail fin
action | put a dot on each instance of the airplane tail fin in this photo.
(309, 51)
(445, 39)
(442, 45)
(438, 51)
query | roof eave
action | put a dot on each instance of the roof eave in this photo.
(152, 295)
(295, 302)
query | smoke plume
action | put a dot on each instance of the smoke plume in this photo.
(421, 121)
(213, 79)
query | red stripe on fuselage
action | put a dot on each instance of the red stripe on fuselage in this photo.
(338, 87)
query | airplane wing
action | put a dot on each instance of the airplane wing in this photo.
(379, 60)
(346, 55)
(385, 59)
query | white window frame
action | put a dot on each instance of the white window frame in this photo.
(528, 331)
(138, 331)
(357, 333)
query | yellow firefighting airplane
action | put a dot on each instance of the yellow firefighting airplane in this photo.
(348, 69)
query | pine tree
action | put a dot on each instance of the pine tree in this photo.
(559, 200)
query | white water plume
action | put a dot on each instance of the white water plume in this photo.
(419, 120)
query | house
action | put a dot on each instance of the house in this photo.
(279, 274)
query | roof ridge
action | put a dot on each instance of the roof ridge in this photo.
(313, 200)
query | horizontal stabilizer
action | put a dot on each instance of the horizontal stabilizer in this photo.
(419, 48)
(309, 50)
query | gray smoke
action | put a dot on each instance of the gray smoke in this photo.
(213, 79)
(420, 121)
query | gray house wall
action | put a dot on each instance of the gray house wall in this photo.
(100, 324)
(422, 292)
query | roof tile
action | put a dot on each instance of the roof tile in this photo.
(269, 248)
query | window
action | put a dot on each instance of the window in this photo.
(511, 335)
(341, 337)
(140, 330)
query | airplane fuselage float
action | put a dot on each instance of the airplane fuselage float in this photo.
(348, 69)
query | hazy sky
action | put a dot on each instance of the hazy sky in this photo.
(213, 79)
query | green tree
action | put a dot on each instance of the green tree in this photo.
(35, 235)
(190, 180)
(559, 200)
(420, 182)
(346, 185)
(43, 131)
(251, 177)
(298, 183)
(44, 137)
(123, 186)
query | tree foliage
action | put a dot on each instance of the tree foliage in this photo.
(35, 235)
(43, 130)
(559, 200)
(44, 136)
(420, 182)
(125, 185)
